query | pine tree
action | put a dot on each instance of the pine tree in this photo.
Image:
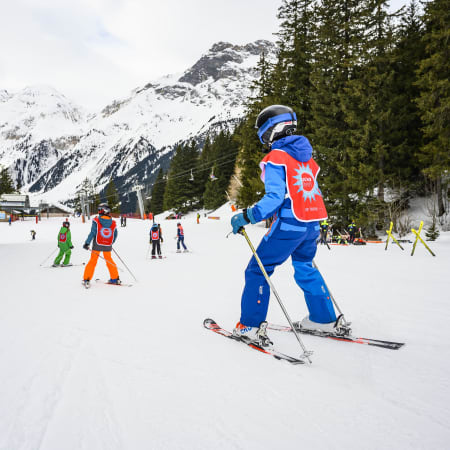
(337, 49)
(434, 99)
(97, 201)
(432, 232)
(202, 169)
(405, 136)
(267, 90)
(224, 151)
(213, 196)
(180, 192)
(368, 113)
(88, 193)
(6, 183)
(112, 196)
(157, 196)
(296, 43)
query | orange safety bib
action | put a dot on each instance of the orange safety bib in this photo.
(105, 236)
(301, 181)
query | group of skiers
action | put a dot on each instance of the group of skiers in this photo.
(349, 237)
(103, 235)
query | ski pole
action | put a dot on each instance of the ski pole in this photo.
(107, 262)
(306, 353)
(121, 260)
(148, 251)
(45, 260)
(332, 297)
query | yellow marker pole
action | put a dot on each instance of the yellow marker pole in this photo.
(417, 233)
(389, 232)
(389, 235)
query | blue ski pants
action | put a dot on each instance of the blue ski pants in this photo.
(181, 241)
(282, 241)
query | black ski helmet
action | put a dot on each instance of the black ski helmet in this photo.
(66, 224)
(103, 208)
(275, 122)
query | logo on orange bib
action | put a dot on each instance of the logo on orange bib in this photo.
(106, 232)
(306, 182)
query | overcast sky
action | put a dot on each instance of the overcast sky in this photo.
(94, 51)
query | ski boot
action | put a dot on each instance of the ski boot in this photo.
(259, 335)
(153, 257)
(114, 281)
(55, 265)
(87, 284)
(340, 327)
(185, 250)
(160, 256)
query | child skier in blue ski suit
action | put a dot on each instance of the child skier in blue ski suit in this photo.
(295, 200)
(180, 238)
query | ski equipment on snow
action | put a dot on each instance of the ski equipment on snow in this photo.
(346, 338)
(113, 284)
(210, 324)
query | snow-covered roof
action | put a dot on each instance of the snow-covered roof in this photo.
(13, 198)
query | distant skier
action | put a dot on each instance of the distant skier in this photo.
(64, 244)
(10, 219)
(352, 232)
(292, 192)
(156, 239)
(104, 234)
(323, 231)
(180, 238)
(198, 218)
(124, 221)
(33, 235)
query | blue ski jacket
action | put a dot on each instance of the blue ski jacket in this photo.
(275, 179)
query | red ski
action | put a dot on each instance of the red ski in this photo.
(356, 340)
(210, 324)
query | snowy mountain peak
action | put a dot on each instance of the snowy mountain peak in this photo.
(39, 101)
(221, 61)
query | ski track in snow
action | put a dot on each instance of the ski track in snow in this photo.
(132, 368)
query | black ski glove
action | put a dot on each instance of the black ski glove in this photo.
(86, 246)
(71, 247)
(162, 240)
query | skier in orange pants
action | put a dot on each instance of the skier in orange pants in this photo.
(104, 234)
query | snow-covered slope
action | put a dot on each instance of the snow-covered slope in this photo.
(119, 368)
(139, 130)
